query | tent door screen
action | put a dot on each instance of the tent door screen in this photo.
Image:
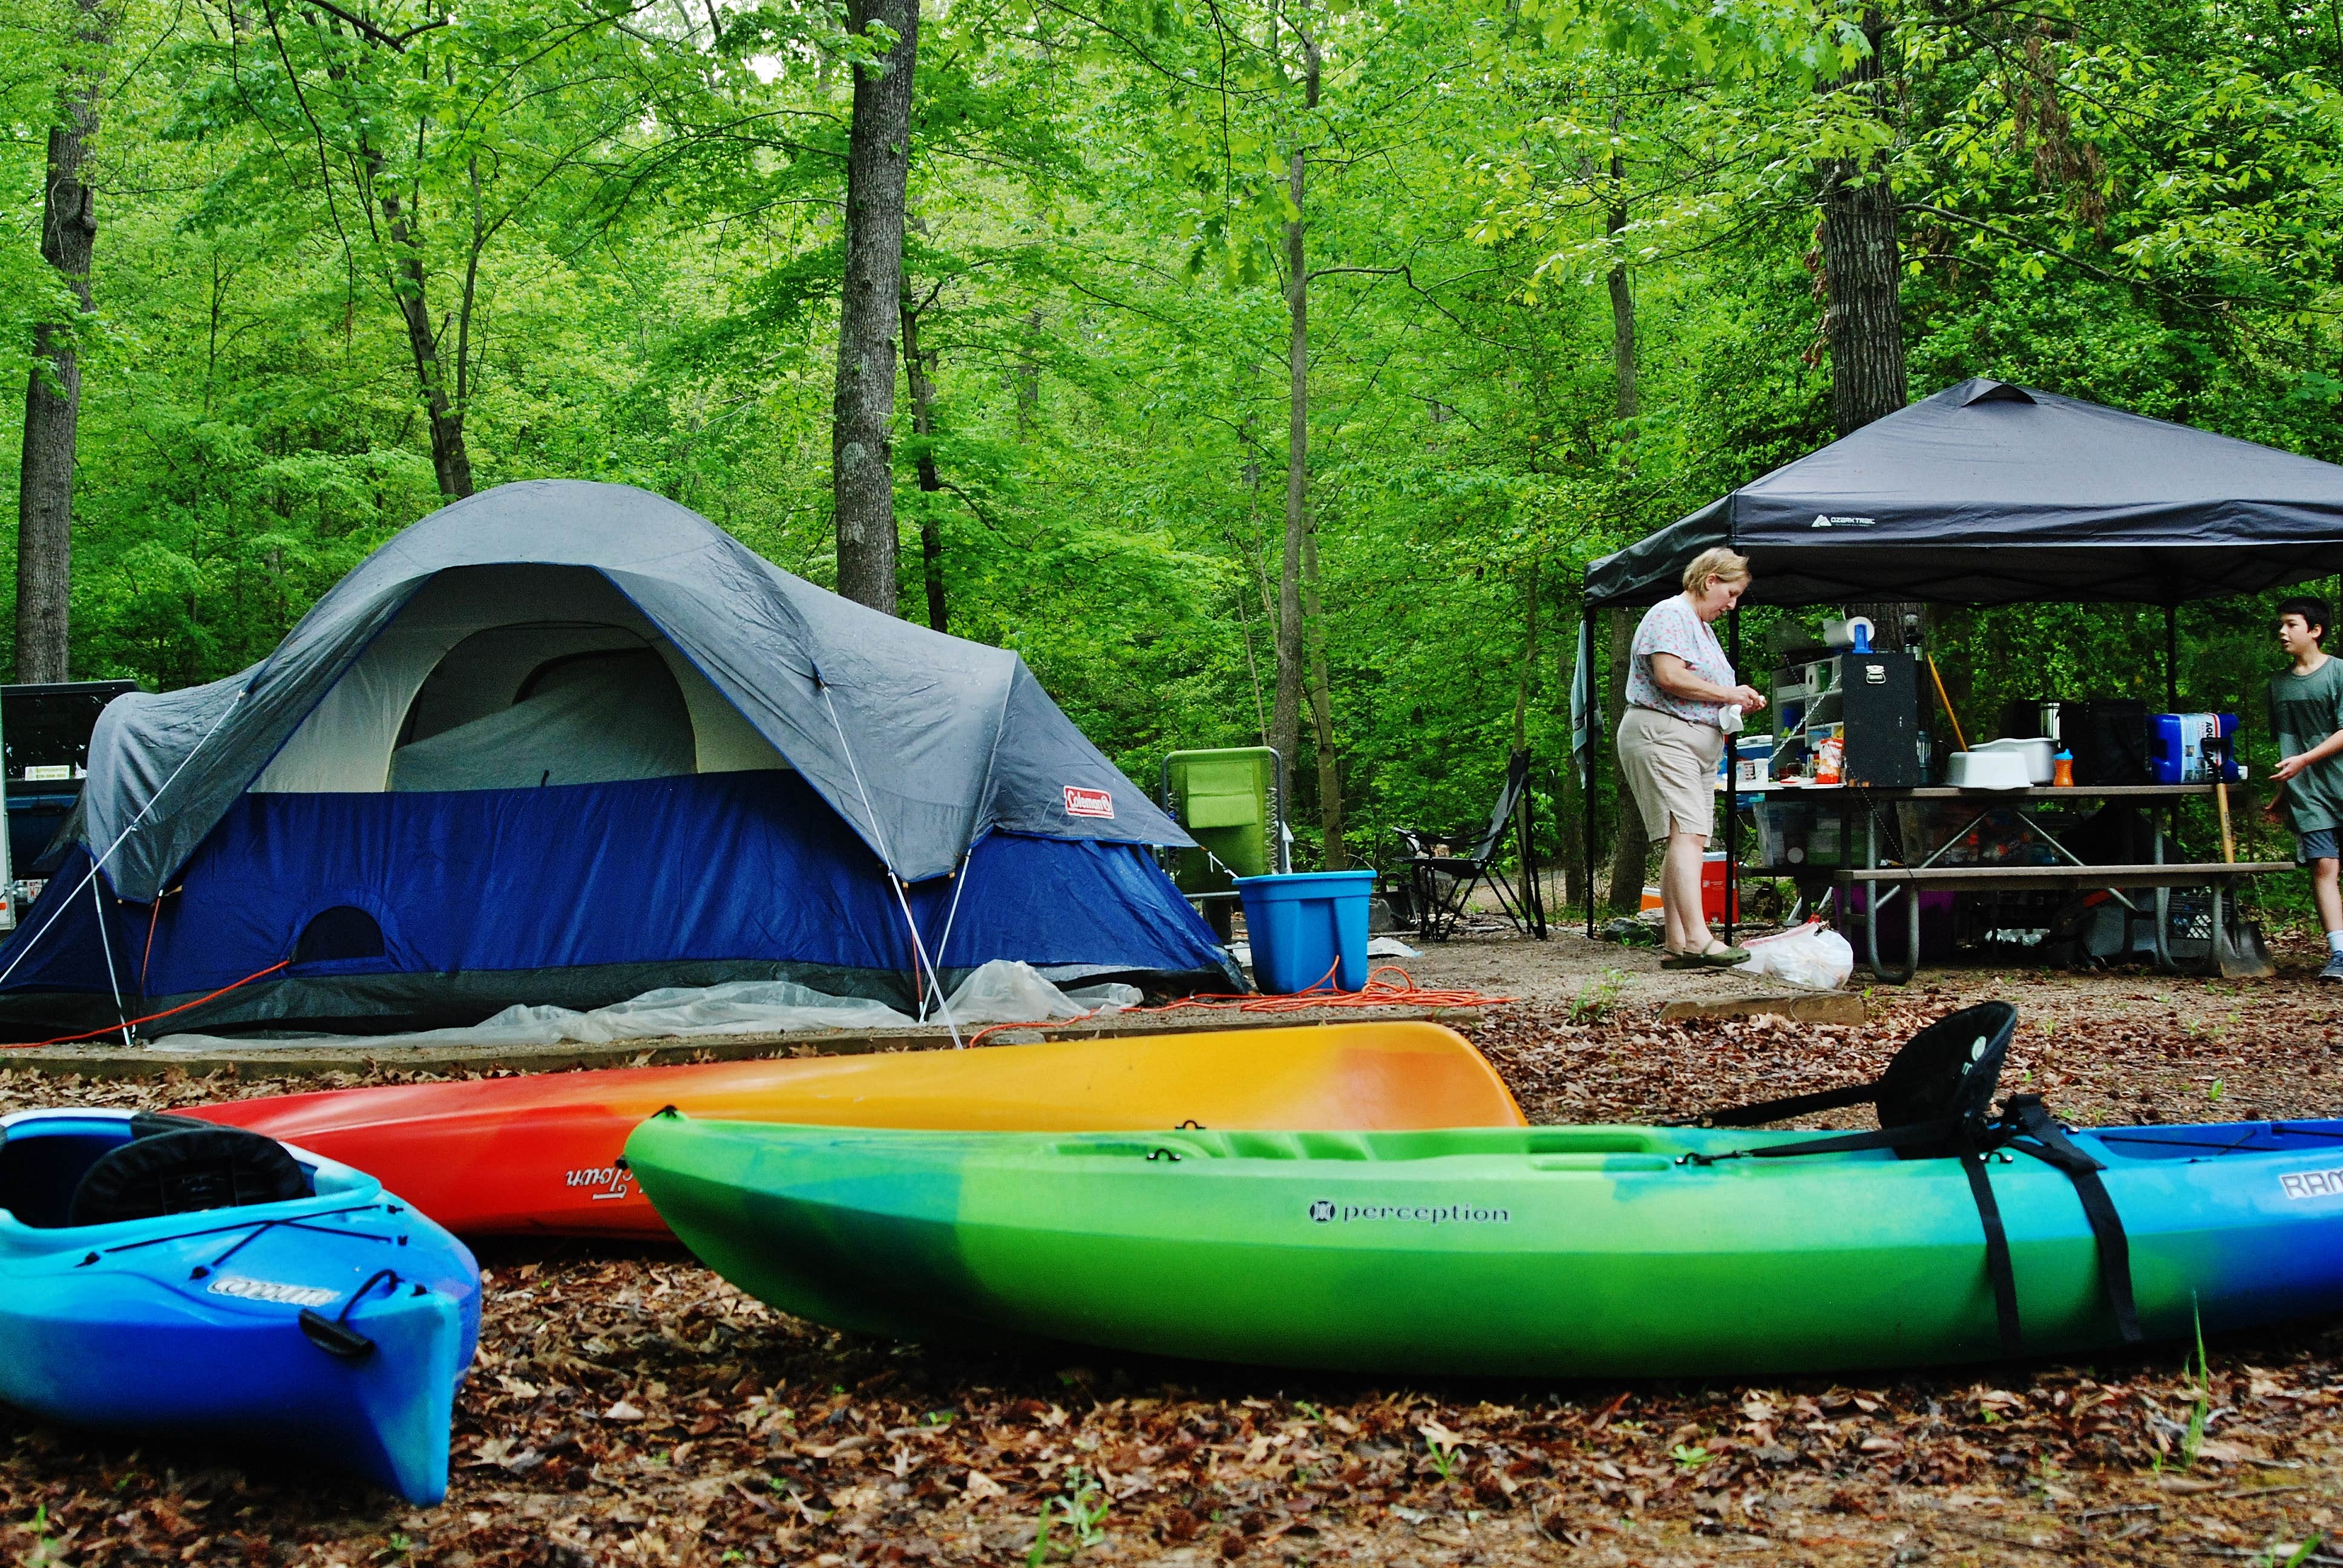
(486, 720)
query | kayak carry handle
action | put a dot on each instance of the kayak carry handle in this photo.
(336, 1340)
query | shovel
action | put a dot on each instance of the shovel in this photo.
(2238, 950)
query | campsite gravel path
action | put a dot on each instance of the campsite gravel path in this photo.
(628, 1408)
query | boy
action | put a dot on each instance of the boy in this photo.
(2307, 717)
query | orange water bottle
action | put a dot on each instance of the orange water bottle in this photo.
(2062, 770)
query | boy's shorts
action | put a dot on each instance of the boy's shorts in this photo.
(2319, 844)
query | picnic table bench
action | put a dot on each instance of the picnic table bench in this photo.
(1885, 883)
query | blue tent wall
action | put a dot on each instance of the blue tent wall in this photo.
(580, 895)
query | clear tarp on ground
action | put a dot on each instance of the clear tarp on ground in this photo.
(1002, 991)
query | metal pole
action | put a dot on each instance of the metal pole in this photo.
(1588, 787)
(2171, 659)
(1732, 788)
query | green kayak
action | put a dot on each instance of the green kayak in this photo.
(1553, 1249)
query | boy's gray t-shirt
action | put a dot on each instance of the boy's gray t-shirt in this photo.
(2305, 710)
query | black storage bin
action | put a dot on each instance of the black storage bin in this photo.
(2109, 736)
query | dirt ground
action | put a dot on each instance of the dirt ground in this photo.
(629, 1408)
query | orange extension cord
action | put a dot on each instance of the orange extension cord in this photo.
(150, 1018)
(1377, 992)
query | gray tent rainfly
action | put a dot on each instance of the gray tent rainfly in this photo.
(950, 740)
(566, 743)
(1987, 493)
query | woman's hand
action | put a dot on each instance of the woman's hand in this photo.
(2288, 766)
(1748, 698)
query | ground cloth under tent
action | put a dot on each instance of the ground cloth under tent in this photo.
(1002, 991)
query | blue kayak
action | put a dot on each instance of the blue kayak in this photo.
(162, 1273)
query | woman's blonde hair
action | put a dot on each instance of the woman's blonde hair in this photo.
(1719, 563)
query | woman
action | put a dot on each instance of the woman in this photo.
(1679, 690)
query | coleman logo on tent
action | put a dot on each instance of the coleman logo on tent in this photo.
(1827, 522)
(1082, 802)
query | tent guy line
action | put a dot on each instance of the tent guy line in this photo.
(26, 944)
(934, 983)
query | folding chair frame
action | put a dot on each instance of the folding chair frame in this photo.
(1438, 913)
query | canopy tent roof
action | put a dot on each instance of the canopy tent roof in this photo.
(1988, 493)
(923, 743)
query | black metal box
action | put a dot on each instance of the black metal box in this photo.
(1880, 708)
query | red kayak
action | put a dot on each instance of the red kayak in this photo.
(540, 1154)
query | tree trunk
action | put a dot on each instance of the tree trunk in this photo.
(1522, 819)
(1029, 376)
(1322, 710)
(1627, 400)
(1632, 852)
(923, 424)
(1286, 716)
(451, 460)
(52, 386)
(1862, 322)
(861, 443)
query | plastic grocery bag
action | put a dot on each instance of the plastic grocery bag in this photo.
(1812, 955)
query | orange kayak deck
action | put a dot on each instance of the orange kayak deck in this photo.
(540, 1154)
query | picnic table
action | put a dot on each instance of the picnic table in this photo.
(2071, 873)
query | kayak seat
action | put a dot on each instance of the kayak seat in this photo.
(171, 1166)
(1942, 1077)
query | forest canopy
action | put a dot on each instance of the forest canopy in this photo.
(1470, 294)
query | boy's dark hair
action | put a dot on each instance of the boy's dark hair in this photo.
(2312, 612)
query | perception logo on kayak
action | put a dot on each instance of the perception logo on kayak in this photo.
(1326, 1212)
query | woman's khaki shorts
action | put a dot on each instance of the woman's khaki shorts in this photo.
(1671, 768)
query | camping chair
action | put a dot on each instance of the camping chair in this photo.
(1444, 875)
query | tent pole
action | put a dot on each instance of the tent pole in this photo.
(2171, 659)
(1732, 788)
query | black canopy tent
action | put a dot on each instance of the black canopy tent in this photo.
(1987, 494)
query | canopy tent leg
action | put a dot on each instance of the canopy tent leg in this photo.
(1732, 789)
(2171, 659)
(1586, 741)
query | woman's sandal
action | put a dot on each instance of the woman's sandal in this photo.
(1722, 958)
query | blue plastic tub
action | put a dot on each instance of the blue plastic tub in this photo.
(1304, 924)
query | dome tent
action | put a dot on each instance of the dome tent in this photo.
(563, 742)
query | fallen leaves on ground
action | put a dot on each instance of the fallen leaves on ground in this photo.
(629, 1408)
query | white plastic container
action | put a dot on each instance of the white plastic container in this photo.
(2037, 751)
(1984, 770)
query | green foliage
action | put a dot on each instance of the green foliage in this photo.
(627, 223)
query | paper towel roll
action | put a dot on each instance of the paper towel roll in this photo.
(1841, 633)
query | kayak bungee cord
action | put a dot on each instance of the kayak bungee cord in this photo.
(887, 858)
(259, 1228)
